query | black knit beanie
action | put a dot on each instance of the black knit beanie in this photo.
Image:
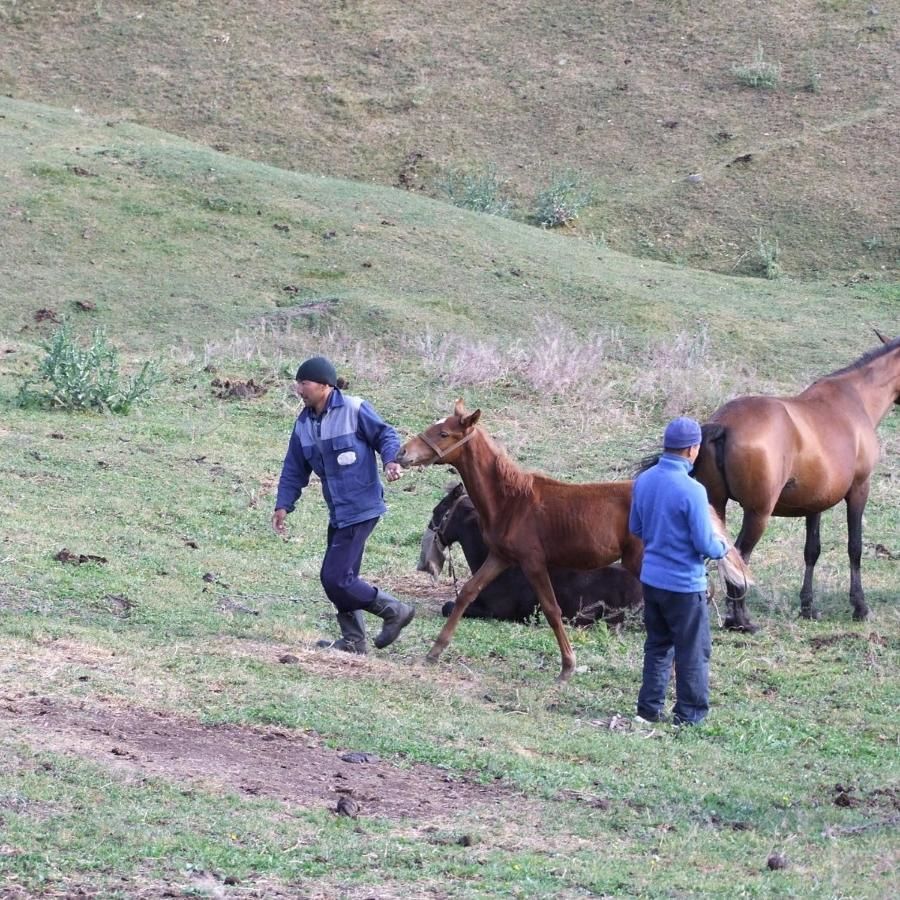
(317, 369)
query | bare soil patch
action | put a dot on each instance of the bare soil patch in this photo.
(294, 768)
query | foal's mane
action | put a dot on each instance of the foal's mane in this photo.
(513, 480)
(866, 358)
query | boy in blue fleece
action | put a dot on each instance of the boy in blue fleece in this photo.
(670, 513)
(336, 436)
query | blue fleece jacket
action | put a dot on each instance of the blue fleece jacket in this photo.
(339, 446)
(670, 514)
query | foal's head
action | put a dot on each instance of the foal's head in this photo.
(440, 442)
(440, 515)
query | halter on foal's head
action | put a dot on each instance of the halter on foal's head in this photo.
(438, 441)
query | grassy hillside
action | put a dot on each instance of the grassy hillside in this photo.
(167, 726)
(637, 97)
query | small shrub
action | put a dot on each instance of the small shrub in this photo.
(562, 201)
(767, 254)
(759, 73)
(479, 190)
(813, 82)
(88, 378)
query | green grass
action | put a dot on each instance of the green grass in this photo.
(182, 487)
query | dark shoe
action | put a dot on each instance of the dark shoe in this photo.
(648, 716)
(678, 722)
(353, 634)
(395, 615)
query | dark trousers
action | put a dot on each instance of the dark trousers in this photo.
(677, 629)
(340, 567)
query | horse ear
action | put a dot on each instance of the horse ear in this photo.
(459, 408)
(880, 336)
(469, 420)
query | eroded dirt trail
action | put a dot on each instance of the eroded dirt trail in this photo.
(293, 767)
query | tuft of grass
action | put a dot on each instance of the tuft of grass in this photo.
(759, 72)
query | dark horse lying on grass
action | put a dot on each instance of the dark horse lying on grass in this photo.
(584, 597)
(529, 519)
(798, 456)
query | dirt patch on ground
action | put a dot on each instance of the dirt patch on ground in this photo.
(295, 768)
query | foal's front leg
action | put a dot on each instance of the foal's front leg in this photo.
(487, 572)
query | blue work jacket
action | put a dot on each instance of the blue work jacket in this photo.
(670, 514)
(339, 446)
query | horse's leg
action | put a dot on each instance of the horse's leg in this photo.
(856, 503)
(811, 550)
(488, 571)
(752, 528)
(543, 587)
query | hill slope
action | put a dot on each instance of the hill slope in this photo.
(637, 96)
(167, 725)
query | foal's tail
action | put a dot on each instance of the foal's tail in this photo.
(732, 567)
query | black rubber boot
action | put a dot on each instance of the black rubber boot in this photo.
(353, 634)
(395, 615)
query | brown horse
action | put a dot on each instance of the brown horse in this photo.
(798, 456)
(527, 518)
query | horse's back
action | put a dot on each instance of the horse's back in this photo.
(781, 455)
(583, 525)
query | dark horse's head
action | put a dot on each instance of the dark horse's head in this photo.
(436, 540)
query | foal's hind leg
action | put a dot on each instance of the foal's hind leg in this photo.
(486, 573)
(856, 503)
(811, 550)
(543, 587)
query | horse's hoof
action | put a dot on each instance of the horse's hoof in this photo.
(860, 615)
(810, 612)
(448, 608)
(431, 660)
(563, 677)
(744, 626)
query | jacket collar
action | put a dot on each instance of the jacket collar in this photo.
(672, 461)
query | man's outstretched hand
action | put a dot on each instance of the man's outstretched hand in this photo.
(278, 518)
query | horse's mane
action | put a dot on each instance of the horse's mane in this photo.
(514, 481)
(866, 358)
(646, 462)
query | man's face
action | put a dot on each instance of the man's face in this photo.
(312, 393)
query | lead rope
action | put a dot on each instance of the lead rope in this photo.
(452, 572)
(711, 598)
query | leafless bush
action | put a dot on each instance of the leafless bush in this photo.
(281, 349)
(554, 359)
(557, 360)
(680, 376)
(460, 361)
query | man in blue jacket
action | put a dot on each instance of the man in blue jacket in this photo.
(670, 513)
(336, 436)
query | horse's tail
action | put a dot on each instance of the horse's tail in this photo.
(712, 454)
(732, 567)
